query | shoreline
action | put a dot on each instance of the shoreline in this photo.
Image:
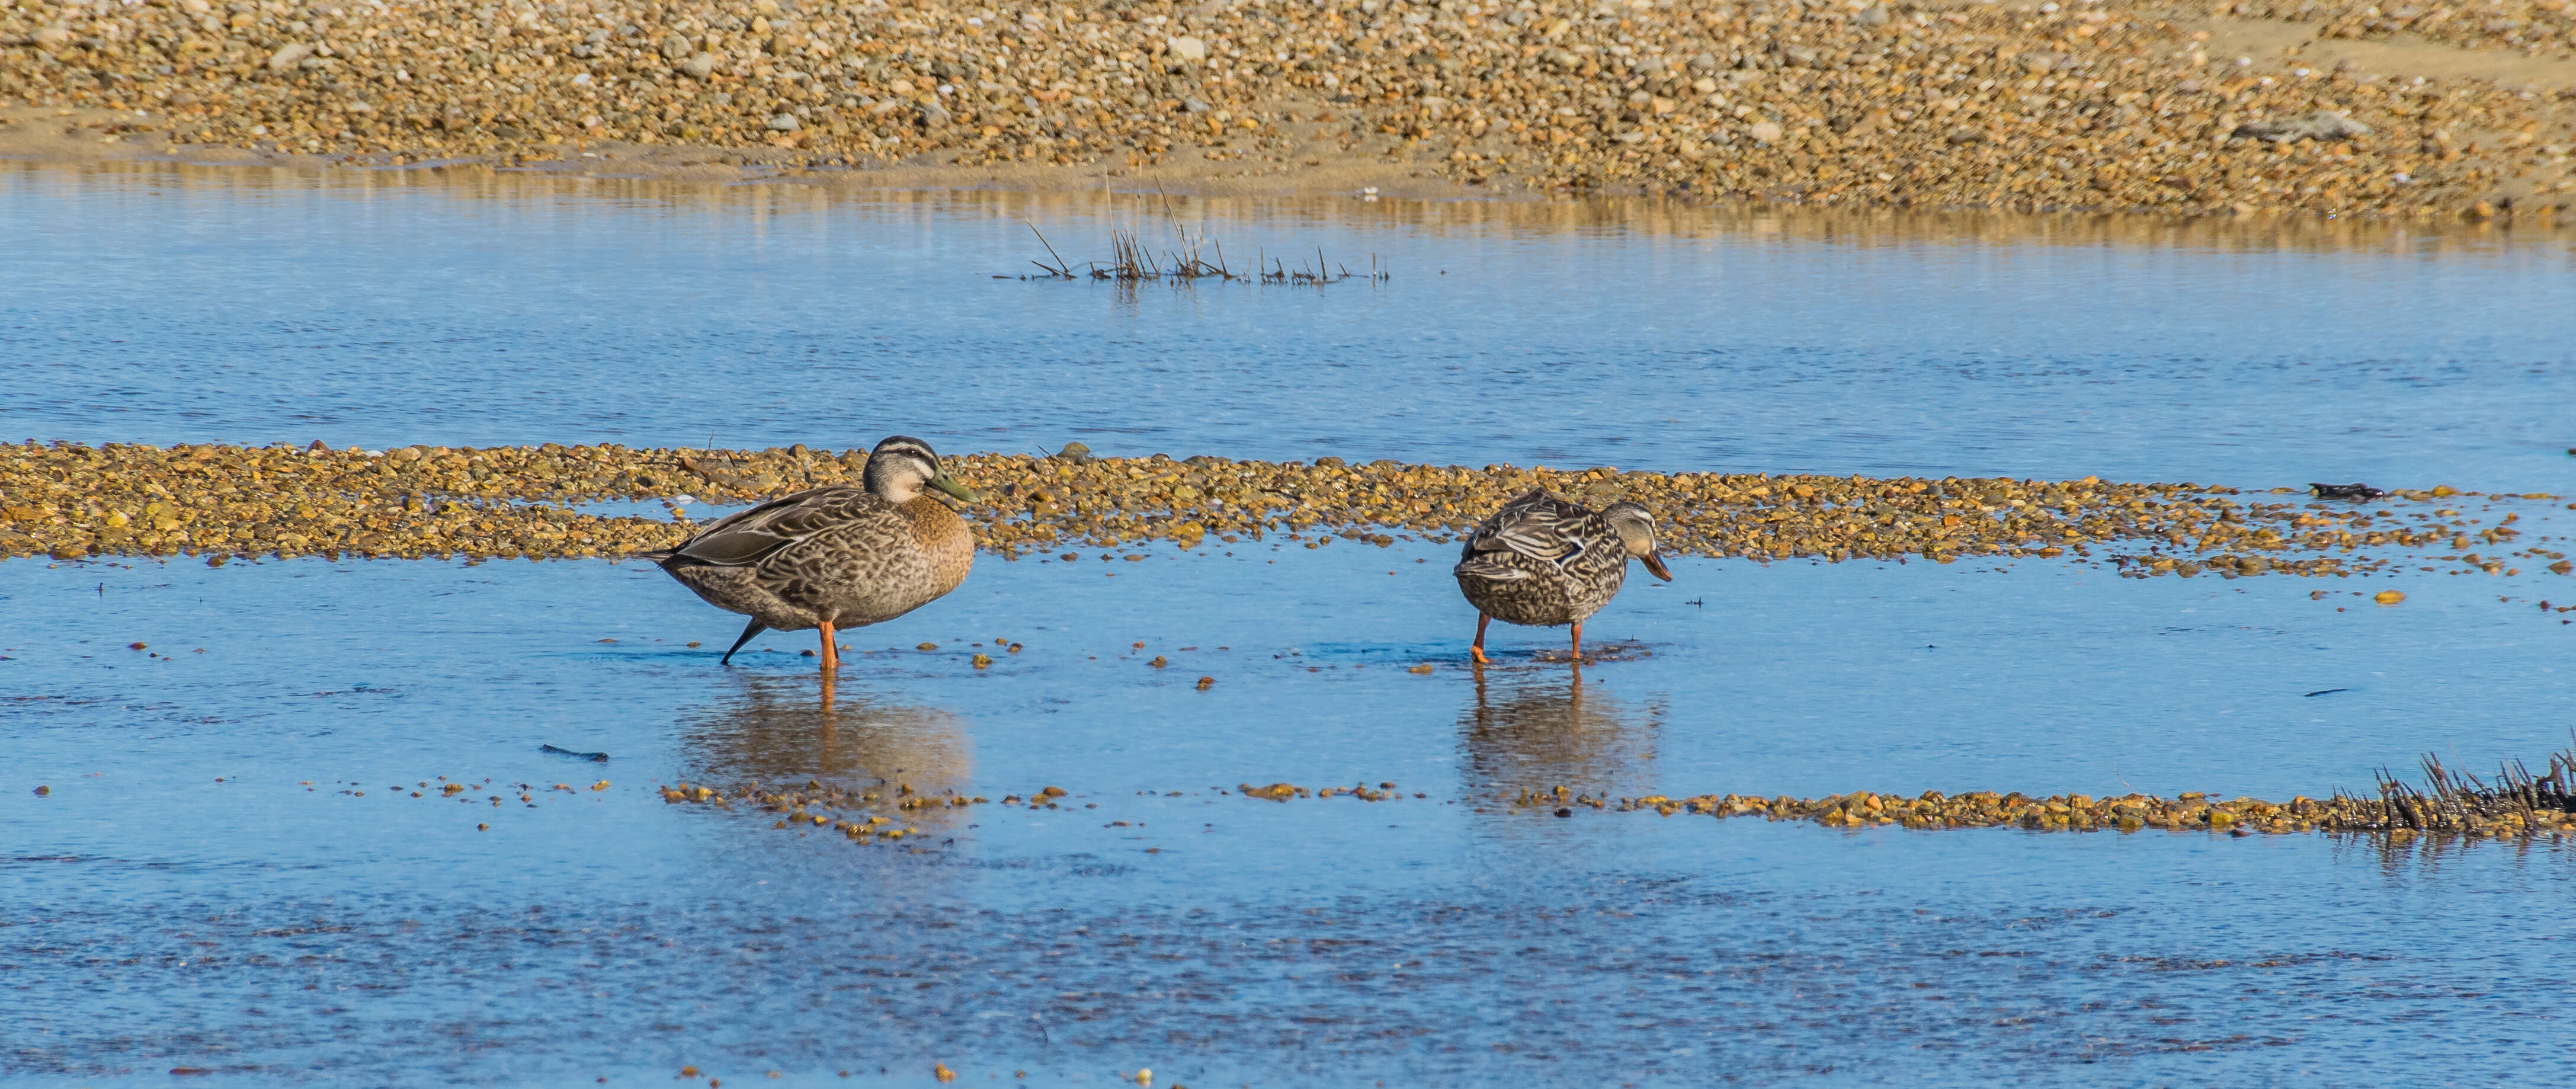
(1029, 190)
(1056, 194)
(1966, 107)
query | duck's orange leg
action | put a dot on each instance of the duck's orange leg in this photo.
(1578, 642)
(831, 655)
(1478, 648)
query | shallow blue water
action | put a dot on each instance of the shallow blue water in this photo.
(204, 886)
(170, 919)
(374, 308)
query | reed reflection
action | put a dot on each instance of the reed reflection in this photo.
(1541, 729)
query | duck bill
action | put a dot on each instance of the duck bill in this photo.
(949, 484)
(1655, 563)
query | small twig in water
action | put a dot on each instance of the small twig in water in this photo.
(1061, 268)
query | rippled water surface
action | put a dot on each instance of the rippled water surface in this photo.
(380, 308)
(229, 873)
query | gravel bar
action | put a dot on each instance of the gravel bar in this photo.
(2515, 805)
(2340, 107)
(521, 502)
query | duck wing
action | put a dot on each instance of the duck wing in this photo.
(748, 537)
(1536, 526)
(1490, 571)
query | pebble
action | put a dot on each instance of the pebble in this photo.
(288, 56)
(2322, 126)
(69, 502)
(2117, 106)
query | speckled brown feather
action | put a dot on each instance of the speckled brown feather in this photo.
(945, 539)
(829, 554)
(1541, 561)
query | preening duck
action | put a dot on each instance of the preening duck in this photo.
(838, 557)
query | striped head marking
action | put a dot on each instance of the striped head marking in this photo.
(901, 464)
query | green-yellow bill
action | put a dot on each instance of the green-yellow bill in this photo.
(949, 484)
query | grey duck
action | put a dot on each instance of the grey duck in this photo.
(835, 557)
(1542, 561)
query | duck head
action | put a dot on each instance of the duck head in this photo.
(1636, 527)
(900, 465)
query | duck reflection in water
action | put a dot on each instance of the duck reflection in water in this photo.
(1539, 731)
(785, 730)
